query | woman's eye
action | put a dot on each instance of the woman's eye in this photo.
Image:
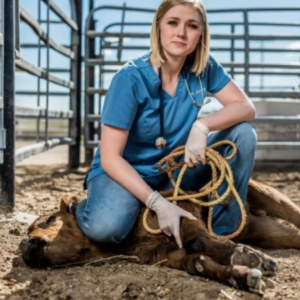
(193, 26)
(172, 23)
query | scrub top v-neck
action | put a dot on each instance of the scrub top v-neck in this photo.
(133, 103)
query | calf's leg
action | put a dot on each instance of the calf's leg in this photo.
(274, 203)
(226, 252)
(240, 277)
(196, 239)
(267, 233)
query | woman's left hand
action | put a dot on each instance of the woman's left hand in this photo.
(196, 145)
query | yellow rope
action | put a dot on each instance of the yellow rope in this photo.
(219, 165)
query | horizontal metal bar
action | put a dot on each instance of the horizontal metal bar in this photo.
(91, 144)
(34, 93)
(230, 10)
(293, 65)
(1, 102)
(61, 14)
(100, 61)
(52, 22)
(58, 70)
(296, 24)
(32, 69)
(27, 151)
(33, 137)
(218, 49)
(93, 118)
(1, 39)
(109, 71)
(34, 24)
(273, 73)
(260, 145)
(252, 49)
(277, 145)
(40, 112)
(254, 37)
(138, 24)
(275, 94)
(94, 34)
(126, 47)
(92, 91)
(276, 119)
(31, 45)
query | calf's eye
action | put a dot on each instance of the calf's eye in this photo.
(50, 220)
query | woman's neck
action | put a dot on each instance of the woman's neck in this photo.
(171, 68)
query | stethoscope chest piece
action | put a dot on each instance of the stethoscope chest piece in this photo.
(160, 142)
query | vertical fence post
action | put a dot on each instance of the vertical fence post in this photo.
(75, 124)
(90, 99)
(39, 63)
(2, 129)
(247, 55)
(7, 170)
(48, 73)
(232, 50)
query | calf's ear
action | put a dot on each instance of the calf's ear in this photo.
(65, 200)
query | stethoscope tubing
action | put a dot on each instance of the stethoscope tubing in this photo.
(161, 104)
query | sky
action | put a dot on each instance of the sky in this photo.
(60, 34)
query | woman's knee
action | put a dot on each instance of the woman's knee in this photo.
(104, 230)
(109, 212)
(245, 136)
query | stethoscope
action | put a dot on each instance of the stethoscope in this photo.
(161, 142)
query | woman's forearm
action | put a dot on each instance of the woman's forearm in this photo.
(122, 172)
(229, 115)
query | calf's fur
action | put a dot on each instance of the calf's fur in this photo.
(55, 239)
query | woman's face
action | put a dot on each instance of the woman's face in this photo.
(180, 30)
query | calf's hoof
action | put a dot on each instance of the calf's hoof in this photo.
(241, 277)
(255, 283)
(252, 258)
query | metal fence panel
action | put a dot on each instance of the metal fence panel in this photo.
(11, 60)
(106, 49)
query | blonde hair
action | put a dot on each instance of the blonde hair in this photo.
(198, 59)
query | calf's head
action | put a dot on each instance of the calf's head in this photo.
(55, 239)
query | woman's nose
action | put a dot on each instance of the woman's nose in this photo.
(181, 30)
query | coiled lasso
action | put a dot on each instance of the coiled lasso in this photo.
(221, 171)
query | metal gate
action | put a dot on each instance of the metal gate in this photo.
(2, 130)
(246, 60)
(68, 79)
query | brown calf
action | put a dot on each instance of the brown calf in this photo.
(55, 240)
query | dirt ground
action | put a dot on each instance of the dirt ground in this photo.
(37, 191)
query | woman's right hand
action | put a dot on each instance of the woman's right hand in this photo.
(168, 215)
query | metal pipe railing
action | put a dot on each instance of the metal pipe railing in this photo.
(7, 168)
(72, 116)
(236, 32)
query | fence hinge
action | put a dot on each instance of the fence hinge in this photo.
(2, 138)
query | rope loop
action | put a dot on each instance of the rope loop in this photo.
(221, 171)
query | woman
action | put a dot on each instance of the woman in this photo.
(151, 108)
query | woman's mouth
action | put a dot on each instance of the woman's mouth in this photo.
(179, 44)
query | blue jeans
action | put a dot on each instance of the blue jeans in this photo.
(110, 211)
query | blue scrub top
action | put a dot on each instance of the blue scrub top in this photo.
(133, 103)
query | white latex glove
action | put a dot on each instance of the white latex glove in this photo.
(196, 145)
(168, 215)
